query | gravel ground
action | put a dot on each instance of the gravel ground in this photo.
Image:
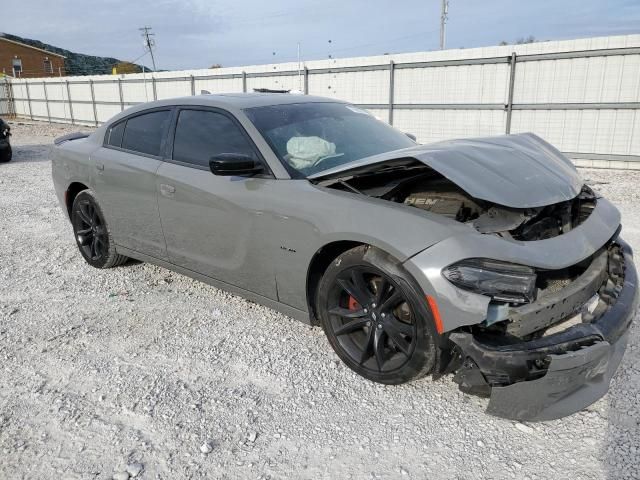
(137, 371)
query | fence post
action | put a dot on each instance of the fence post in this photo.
(121, 96)
(26, 86)
(153, 85)
(509, 105)
(93, 102)
(70, 102)
(306, 80)
(244, 82)
(13, 100)
(46, 100)
(6, 90)
(193, 85)
(392, 70)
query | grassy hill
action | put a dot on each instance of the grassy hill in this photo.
(75, 63)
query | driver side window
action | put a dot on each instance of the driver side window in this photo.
(201, 134)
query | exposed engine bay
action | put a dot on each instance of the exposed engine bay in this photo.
(423, 188)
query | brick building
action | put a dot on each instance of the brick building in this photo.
(22, 60)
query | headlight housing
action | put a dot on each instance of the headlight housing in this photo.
(502, 281)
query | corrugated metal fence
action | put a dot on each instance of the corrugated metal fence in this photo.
(581, 95)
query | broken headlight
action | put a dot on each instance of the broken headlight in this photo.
(504, 282)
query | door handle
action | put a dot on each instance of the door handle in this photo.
(167, 190)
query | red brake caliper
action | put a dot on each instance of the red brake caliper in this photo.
(353, 305)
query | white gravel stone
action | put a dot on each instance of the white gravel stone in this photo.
(524, 428)
(134, 469)
(206, 447)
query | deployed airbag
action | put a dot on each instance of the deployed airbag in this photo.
(304, 152)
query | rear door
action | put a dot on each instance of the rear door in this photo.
(126, 180)
(216, 225)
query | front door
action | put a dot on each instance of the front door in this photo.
(215, 225)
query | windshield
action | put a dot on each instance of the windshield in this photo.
(312, 137)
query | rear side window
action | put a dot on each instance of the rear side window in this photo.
(114, 137)
(202, 134)
(144, 133)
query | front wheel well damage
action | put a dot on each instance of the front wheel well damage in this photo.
(72, 192)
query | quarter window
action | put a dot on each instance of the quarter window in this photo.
(115, 135)
(144, 133)
(202, 134)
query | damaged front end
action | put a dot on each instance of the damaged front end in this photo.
(554, 356)
(537, 298)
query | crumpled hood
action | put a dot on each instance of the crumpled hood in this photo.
(517, 171)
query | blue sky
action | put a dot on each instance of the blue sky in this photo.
(198, 33)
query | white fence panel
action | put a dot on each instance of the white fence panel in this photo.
(433, 125)
(175, 88)
(224, 85)
(456, 84)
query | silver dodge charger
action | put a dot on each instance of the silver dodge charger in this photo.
(487, 258)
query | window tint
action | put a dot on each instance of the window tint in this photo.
(144, 133)
(201, 134)
(114, 137)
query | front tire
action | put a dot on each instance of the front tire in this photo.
(92, 233)
(375, 318)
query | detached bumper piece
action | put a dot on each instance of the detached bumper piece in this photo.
(562, 373)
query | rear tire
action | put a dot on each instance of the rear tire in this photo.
(92, 233)
(375, 317)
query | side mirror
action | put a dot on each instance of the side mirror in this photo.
(411, 136)
(234, 164)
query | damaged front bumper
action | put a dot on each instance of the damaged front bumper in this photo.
(559, 374)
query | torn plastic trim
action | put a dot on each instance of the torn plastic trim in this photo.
(573, 381)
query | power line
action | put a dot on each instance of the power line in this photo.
(149, 43)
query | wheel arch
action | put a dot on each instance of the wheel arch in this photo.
(71, 193)
(318, 265)
(329, 252)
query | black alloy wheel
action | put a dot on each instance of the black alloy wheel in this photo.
(372, 320)
(92, 232)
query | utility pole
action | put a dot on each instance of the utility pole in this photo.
(149, 43)
(299, 73)
(443, 22)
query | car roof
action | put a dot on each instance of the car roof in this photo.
(240, 100)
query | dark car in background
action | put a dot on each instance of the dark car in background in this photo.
(5, 146)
